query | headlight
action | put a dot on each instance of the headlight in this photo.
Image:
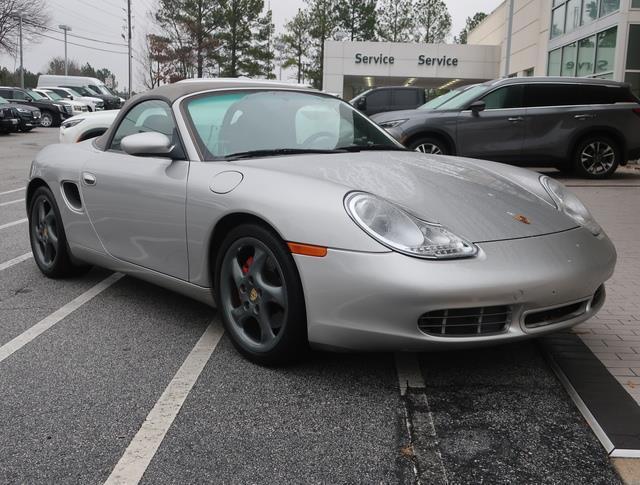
(391, 123)
(70, 123)
(567, 202)
(22, 110)
(402, 232)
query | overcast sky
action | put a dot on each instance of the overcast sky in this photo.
(105, 20)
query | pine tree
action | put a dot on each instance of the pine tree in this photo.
(472, 23)
(322, 24)
(294, 44)
(395, 20)
(263, 49)
(433, 21)
(357, 18)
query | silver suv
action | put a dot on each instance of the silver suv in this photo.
(589, 126)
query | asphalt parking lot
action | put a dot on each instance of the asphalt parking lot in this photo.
(77, 394)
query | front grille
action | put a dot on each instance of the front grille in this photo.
(554, 315)
(68, 109)
(466, 321)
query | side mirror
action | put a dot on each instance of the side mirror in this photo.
(150, 144)
(361, 104)
(477, 106)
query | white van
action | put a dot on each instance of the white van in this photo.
(92, 84)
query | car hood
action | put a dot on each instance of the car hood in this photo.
(23, 106)
(410, 114)
(473, 202)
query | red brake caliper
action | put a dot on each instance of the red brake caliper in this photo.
(247, 264)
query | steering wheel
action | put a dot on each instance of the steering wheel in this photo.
(316, 137)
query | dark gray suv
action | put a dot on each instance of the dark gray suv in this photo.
(589, 126)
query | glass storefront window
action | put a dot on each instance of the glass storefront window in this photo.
(586, 56)
(573, 15)
(589, 11)
(569, 60)
(635, 3)
(608, 6)
(606, 51)
(555, 61)
(557, 22)
(633, 52)
(633, 78)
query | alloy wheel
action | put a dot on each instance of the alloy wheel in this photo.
(44, 228)
(253, 294)
(598, 158)
(46, 120)
(430, 148)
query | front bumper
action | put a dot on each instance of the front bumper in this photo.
(8, 125)
(372, 301)
(27, 120)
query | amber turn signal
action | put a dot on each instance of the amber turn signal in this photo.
(307, 249)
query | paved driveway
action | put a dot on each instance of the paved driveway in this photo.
(105, 378)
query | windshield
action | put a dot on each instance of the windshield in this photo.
(232, 123)
(79, 91)
(440, 100)
(35, 95)
(53, 96)
(463, 98)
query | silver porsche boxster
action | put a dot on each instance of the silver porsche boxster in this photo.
(307, 225)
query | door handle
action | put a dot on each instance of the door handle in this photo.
(516, 119)
(584, 117)
(88, 178)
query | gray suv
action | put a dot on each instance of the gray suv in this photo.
(589, 126)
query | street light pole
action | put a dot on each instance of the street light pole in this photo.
(129, 41)
(21, 60)
(507, 61)
(66, 28)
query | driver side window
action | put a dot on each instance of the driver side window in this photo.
(148, 116)
(508, 97)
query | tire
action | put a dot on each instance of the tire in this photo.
(259, 296)
(431, 145)
(46, 121)
(48, 239)
(596, 157)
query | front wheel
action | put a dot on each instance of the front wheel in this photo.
(430, 145)
(596, 157)
(46, 121)
(48, 239)
(259, 296)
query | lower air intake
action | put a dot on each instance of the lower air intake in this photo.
(466, 321)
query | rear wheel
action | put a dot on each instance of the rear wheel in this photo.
(48, 239)
(596, 157)
(259, 296)
(431, 145)
(46, 120)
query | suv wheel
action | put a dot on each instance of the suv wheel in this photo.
(596, 157)
(47, 119)
(431, 145)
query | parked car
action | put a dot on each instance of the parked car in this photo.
(94, 86)
(86, 126)
(52, 113)
(28, 116)
(318, 228)
(379, 100)
(589, 126)
(79, 94)
(77, 107)
(9, 121)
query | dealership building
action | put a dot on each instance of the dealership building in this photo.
(586, 38)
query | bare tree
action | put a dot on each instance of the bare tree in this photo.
(33, 11)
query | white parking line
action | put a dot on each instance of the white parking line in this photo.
(145, 443)
(2, 204)
(45, 324)
(12, 191)
(14, 223)
(14, 261)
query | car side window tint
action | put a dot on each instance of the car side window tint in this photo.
(405, 97)
(546, 94)
(378, 99)
(19, 95)
(148, 116)
(508, 97)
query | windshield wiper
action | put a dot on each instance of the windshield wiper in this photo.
(379, 147)
(278, 151)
